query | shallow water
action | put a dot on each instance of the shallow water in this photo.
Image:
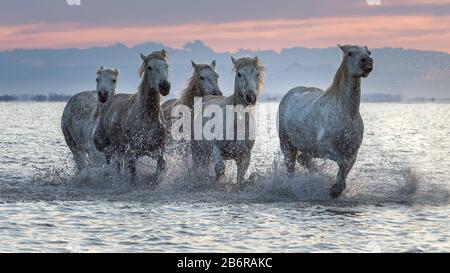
(397, 197)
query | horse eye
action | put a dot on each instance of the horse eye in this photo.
(96, 80)
(114, 81)
(202, 78)
(369, 53)
(149, 68)
(239, 75)
(350, 53)
(257, 75)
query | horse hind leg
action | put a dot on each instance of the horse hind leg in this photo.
(290, 155)
(78, 157)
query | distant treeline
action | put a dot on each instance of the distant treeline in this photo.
(52, 97)
(381, 98)
(371, 98)
(8, 98)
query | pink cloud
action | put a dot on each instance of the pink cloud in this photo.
(421, 32)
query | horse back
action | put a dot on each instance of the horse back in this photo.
(80, 106)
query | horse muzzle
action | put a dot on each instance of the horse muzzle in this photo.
(102, 96)
(250, 98)
(164, 88)
(366, 70)
(366, 66)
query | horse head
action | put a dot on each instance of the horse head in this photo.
(155, 72)
(206, 79)
(106, 83)
(249, 78)
(358, 60)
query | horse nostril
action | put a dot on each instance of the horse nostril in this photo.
(165, 85)
(250, 98)
(367, 61)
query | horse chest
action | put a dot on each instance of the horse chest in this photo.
(146, 137)
(347, 139)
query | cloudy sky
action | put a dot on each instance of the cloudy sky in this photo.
(226, 25)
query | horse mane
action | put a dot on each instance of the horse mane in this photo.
(191, 91)
(161, 55)
(339, 80)
(249, 61)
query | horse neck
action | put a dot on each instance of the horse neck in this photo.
(149, 102)
(187, 98)
(346, 90)
(96, 112)
(237, 99)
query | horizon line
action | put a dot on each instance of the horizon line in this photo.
(183, 47)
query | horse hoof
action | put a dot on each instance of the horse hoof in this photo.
(240, 186)
(220, 169)
(336, 191)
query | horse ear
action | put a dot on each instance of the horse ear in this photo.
(143, 57)
(341, 47)
(100, 70)
(233, 60)
(164, 53)
(194, 65)
(256, 59)
(213, 64)
(117, 72)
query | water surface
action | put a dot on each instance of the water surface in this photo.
(397, 197)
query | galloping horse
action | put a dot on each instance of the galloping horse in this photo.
(80, 117)
(326, 124)
(133, 124)
(238, 147)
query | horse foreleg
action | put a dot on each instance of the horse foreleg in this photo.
(109, 152)
(119, 161)
(161, 164)
(130, 162)
(80, 159)
(290, 155)
(242, 166)
(219, 164)
(344, 168)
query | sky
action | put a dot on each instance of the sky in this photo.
(226, 25)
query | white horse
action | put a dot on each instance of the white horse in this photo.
(326, 124)
(248, 83)
(80, 117)
(132, 125)
(203, 82)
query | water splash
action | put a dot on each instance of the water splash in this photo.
(270, 185)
